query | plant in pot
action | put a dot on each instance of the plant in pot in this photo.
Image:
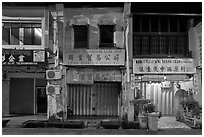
(142, 108)
(192, 107)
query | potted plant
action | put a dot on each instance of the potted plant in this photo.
(193, 111)
(141, 110)
(192, 107)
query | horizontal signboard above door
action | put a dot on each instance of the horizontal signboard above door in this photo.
(163, 66)
(95, 57)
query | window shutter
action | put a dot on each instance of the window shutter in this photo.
(80, 36)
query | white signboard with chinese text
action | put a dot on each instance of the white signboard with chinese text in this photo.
(80, 76)
(163, 66)
(107, 75)
(89, 75)
(95, 57)
(38, 56)
(199, 43)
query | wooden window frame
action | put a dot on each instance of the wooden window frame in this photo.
(26, 20)
(168, 33)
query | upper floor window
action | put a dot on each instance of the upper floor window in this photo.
(21, 33)
(106, 36)
(159, 24)
(80, 36)
(160, 36)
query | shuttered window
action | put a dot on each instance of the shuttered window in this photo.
(161, 36)
(80, 36)
(106, 36)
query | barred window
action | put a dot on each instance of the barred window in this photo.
(106, 36)
(80, 36)
(160, 35)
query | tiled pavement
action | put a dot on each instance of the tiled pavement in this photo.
(170, 122)
(164, 122)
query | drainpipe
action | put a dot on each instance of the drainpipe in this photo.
(130, 93)
(126, 41)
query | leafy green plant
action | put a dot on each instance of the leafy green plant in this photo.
(191, 105)
(149, 108)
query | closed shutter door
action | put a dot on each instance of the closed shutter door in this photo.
(21, 99)
(99, 99)
(79, 98)
(107, 97)
(162, 98)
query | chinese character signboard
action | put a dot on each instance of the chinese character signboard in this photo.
(80, 76)
(107, 75)
(22, 57)
(39, 56)
(89, 75)
(199, 43)
(163, 66)
(95, 57)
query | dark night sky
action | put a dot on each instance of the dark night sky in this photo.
(167, 7)
(138, 7)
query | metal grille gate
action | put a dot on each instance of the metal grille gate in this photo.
(99, 99)
(163, 99)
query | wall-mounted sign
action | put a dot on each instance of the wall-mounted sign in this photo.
(107, 75)
(198, 35)
(38, 56)
(80, 76)
(89, 75)
(95, 57)
(163, 66)
(22, 57)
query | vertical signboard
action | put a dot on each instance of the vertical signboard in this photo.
(49, 30)
(199, 42)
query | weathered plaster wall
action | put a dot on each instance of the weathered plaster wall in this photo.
(93, 17)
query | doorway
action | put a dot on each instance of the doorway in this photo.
(21, 97)
(98, 99)
(163, 98)
(41, 100)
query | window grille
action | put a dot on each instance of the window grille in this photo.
(160, 36)
(106, 36)
(80, 36)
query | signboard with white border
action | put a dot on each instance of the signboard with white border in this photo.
(163, 66)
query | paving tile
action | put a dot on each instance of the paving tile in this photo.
(170, 122)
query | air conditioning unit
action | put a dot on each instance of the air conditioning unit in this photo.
(53, 74)
(53, 89)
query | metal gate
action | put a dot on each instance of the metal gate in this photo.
(79, 98)
(107, 97)
(163, 98)
(99, 99)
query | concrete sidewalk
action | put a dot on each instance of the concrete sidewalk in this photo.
(17, 121)
(65, 131)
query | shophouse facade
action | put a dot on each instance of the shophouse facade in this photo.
(162, 64)
(25, 48)
(95, 58)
